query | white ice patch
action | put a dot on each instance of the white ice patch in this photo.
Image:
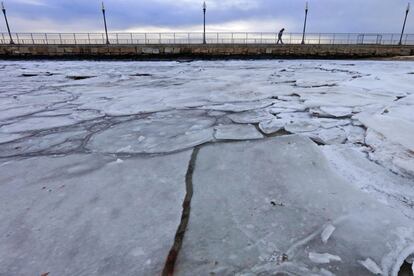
(327, 232)
(324, 258)
(371, 266)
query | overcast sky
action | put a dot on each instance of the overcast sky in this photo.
(222, 15)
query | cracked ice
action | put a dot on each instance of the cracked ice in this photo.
(94, 155)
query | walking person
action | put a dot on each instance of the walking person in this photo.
(280, 35)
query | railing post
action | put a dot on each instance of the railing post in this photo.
(103, 39)
(31, 36)
(232, 38)
(159, 38)
(2, 38)
(117, 39)
(74, 38)
(132, 40)
(47, 42)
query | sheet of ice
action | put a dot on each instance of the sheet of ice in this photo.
(8, 137)
(274, 217)
(236, 132)
(329, 136)
(48, 143)
(302, 126)
(343, 96)
(251, 117)
(89, 214)
(396, 130)
(160, 133)
(239, 107)
(37, 123)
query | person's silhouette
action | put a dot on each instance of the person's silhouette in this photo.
(280, 35)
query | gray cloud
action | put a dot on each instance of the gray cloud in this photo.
(324, 15)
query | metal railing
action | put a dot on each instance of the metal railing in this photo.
(211, 38)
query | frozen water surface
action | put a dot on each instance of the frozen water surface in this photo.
(96, 159)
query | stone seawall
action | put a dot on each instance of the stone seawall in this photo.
(204, 51)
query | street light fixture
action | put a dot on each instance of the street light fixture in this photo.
(405, 21)
(304, 25)
(104, 18)
(204, 12)
(7, 22)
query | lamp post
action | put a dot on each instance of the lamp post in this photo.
(7, 22)
(304, 25)
(405, 21)
(104, 18)
(204, 12)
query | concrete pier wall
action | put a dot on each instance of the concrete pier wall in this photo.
(203, 51)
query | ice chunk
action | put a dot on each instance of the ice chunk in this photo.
(272, 126)
(302, 126)
(330, 123)
(236, 132)
(327, 232)
(372, 266)
(239, 107)
(164, 132)
(396, 130)
(391, 155)
(329, 136)
(324, 258)
(355, 135)
(337, 111)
